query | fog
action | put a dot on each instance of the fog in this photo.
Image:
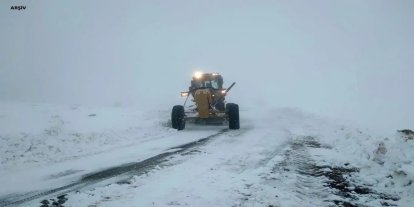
(345, 59)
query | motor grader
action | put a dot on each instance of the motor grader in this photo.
(209, 105)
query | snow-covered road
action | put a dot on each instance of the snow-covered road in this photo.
(279, 157)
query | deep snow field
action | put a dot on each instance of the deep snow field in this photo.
(279, 157)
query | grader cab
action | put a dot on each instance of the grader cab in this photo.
(209, 105)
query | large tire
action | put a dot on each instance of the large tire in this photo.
(233, 114)
(177, 117)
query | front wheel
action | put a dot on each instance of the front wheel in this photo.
(233, 115)
(177, 117)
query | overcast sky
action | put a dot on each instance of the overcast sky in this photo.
(346, 59)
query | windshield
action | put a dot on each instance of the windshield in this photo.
(206, 84)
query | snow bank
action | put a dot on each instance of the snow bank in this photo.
(385, 160)
(36, 134)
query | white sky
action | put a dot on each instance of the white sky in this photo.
(347, 59)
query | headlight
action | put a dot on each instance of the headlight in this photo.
(198, 74)
(223, 91)
(184, 94)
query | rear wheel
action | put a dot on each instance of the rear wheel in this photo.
(177, 117)
(233, 114)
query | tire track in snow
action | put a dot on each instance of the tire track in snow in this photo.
(299, 180)
(309, 185)
(287, 178)
(135, 168)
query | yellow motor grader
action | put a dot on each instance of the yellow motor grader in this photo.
(208, 96)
